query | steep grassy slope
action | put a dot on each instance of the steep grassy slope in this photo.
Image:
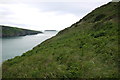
(13, 31)
(87, 49)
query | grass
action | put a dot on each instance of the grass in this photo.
(87, 49)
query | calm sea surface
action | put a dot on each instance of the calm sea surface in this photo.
(16, 46)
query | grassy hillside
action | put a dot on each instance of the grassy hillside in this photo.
(87, 49)
(13, 31)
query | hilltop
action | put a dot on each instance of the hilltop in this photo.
(8, 31)
(86, 49)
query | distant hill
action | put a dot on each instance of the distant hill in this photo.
(87, 49)
(50, 30)
(8, 31)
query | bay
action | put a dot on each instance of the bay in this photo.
(16, 46)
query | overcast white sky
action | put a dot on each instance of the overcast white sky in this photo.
(45, 14)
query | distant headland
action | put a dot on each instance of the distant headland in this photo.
(50, 30)
(8, 31)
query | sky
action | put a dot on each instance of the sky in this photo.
(45, 14)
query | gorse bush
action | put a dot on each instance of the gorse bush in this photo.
(99, 17)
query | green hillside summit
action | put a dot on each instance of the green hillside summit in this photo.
(86, 49)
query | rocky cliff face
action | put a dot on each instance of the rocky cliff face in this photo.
(13, 31)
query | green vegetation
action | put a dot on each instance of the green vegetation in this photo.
(87, 49)
(13, 31)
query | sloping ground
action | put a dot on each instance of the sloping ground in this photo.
(8, 31)
(87, 49)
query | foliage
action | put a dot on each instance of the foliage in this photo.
(87, 49)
